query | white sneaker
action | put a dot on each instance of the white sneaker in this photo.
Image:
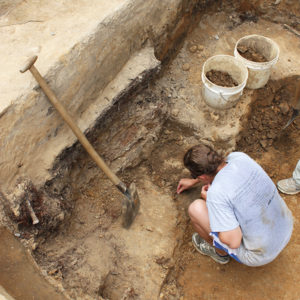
(206, 249)
(288, 186)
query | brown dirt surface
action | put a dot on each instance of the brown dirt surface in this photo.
(92, 257)
(251, 54)
(19, 275)
(221, 78)
(199, 277)
(75, 256)
(271, 110)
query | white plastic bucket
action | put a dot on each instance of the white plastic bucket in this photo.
(219, 96)
(259, 72)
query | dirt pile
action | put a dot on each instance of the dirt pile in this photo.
(270, 111)
(221, 78)
(251, 54)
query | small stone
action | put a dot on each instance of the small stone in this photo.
(161, 296)
(61, 216)
(33, 246)
(114, 273)
(52, 272)
(185, 67)
(200, 47)
(17, 234)
(214, 116)
(271, 135)
(193, 49)
(284, 107)
(242, 48)
(74, 262)
(264, 143)
(175, 112)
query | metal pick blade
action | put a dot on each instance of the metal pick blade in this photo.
(294, 115)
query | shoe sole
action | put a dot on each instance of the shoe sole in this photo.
(217, 261)
(288, 193)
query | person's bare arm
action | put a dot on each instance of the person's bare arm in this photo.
(186, 183)
(232, 238)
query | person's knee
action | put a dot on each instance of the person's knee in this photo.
(197, 209)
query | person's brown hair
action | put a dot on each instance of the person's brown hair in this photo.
(202, 159)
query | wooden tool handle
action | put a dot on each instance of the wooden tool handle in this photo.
(29, 64)
(64, 114)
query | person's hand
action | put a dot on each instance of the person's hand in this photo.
(204, 191)
(186, 183)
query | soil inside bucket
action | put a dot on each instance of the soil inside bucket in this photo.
(251, 54)
(221, 78)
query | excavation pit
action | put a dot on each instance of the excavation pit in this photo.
(85, 253)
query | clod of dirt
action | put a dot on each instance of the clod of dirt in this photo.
(193, 49)
(251, 54)
(284, 107)
(221, 78)
(200, 47)
(185, 67)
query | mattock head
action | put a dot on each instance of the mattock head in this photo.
(131, 205)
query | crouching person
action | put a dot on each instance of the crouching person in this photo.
(241, 214)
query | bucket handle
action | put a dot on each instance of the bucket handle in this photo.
(223, 97)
